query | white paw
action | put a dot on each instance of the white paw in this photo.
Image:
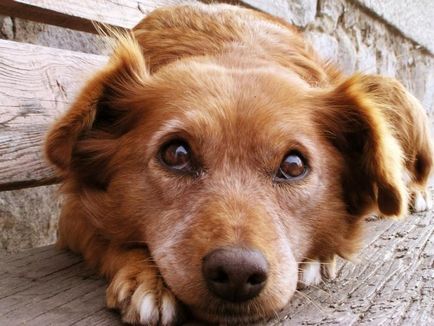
(311, 273)
(422, 201)
(142, 299)
(168, 307)
(151, 310)
(419, 202)
(428, 199)
(146, 305)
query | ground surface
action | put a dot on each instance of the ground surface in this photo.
(392, 284)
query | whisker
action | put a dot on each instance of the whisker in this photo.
(149, 260)
(317, 288)
(312, 262)
(276, 315)
(144, 242)
(310, 300)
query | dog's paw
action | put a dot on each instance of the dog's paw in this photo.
(314, 271)
(310, 273)
(142, 298)
(421, 201)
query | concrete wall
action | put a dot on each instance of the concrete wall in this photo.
(361, 35)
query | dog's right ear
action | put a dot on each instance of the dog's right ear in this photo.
(97, 109)
(356, 126)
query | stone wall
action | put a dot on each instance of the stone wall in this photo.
(344, 31)
(356, 38)
(21, 30)
(28, 218)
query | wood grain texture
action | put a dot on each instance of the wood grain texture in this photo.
(392, 284)
(79, 14)
(36, 85)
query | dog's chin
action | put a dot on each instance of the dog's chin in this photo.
(214, 317)
(235, 314)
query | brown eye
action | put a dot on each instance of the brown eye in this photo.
(176, 155)
(292, 167)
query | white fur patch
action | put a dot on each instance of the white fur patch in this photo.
(419, 202)
(149, 310)
(168, 309)
(311, 274)
(428, 199)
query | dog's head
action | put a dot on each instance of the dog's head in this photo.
(230, 176)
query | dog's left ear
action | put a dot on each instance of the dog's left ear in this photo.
(85, 138)
(355, 124)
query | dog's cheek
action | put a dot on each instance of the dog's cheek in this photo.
(318, 223)
(179, 264)
(332, 230)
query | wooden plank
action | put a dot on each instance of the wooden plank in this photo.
(393, 284)
(58, 289)
(36, 86)
(79, 14)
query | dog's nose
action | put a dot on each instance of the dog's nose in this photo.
(235, 274)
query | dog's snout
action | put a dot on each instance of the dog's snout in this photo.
(235, 274)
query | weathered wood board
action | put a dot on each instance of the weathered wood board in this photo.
(37, 85)
(79, 14)
(82, 14)
(393, 284)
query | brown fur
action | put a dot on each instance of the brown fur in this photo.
(243, 89)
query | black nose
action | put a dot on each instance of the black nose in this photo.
(235, 274)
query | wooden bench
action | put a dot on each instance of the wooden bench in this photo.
(392, 284)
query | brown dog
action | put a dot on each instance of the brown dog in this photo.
(216, 162)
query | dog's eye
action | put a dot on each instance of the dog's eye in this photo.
(292, 167)
(176, 155)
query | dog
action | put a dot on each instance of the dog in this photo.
(216, 162)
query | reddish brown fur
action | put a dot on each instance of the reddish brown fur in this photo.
(244, 89)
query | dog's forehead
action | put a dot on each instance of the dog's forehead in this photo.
(229, 109)
(214, 97)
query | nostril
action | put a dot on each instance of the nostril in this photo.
(257, 278)
(219, 276)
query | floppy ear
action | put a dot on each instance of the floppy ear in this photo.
(84, 137)
(373, 160)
